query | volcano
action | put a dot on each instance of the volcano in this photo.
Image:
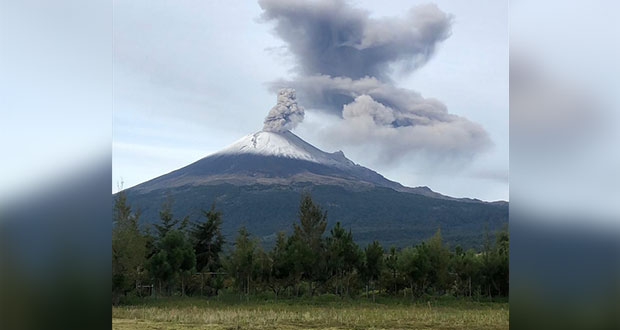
(280, 158)
(257, 181)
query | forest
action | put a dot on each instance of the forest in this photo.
(176, 257)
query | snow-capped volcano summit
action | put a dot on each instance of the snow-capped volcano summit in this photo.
(277, 158)
(284, 144)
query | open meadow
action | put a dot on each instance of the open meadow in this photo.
(325, 312)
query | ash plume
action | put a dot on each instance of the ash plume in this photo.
(333, 38)
(286, 114)
(343, 63)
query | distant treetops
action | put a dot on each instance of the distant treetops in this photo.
(189, 259)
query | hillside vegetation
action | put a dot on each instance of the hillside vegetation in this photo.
(382, 214)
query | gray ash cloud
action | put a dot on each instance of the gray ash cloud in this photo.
(286, 114)
(344, 59)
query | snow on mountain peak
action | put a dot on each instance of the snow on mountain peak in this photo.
(284, 144)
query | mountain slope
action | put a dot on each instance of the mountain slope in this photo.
(257, 182)
(277, 158)
(383, 214)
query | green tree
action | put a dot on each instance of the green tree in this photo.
(128, 248)
(495, 275)
(174, 260)
(414, 264)
(502, 244)
(301, 260)
(466, 266)
(308, 234)
(241, 264)
(160, 268)
(167, 220)
(439, 257)
(343, 257)
(312, 222)
(392, 282)
(208, 241)
(373, 265)
(281, 265)
(500, 260)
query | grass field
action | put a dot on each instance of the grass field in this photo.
(318, 313)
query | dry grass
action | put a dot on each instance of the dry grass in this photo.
(204, 314)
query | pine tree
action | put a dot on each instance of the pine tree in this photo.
(174, 260)
(501, 276)
(439, 257)
(241, 264)
(373, 264)
(281, 265)
(208, 240)
(415, 264)
(301, 259)
(308, 235)
(167, 220)
(466, 266)
(128, 247)
(312, 222)
(343, 257)
(391, 264)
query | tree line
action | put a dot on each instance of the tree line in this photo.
(176, 257)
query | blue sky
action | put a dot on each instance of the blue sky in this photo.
(191, 77)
